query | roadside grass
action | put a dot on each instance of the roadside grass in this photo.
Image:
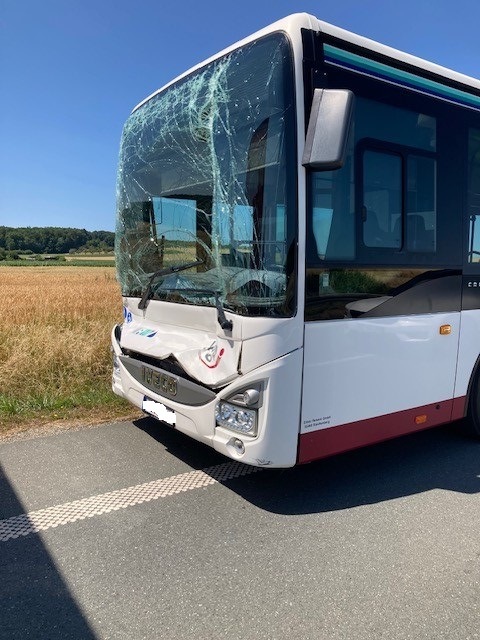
(55, 361)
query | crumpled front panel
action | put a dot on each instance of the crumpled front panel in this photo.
(203, 355)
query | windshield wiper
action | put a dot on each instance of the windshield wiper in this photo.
(163, 272)
(227, 325)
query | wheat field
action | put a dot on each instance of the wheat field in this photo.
(55, 359)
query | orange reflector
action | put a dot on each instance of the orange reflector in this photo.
(445, 329)
(420, 419)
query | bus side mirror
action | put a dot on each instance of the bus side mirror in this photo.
(328, 129)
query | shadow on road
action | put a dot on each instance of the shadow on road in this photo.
(441, 458)
(35, 602)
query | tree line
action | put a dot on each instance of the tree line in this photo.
(54, 240)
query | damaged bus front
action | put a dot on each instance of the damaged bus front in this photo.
(206, 243)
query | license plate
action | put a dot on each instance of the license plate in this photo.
(159, 411)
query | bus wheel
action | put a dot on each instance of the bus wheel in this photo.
(473, 414)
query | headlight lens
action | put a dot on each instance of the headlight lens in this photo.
(236, 418)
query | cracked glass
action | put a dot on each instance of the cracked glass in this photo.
(207, 175)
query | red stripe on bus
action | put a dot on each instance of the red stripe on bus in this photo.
(327, 442)
(459, 409)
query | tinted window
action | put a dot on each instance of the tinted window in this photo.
(382, 205)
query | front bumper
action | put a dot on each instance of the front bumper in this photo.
(278, 418)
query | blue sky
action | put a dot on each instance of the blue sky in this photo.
(71, 70)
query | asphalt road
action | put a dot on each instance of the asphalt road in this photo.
(133, 531)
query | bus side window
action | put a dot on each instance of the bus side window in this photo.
(391, 220)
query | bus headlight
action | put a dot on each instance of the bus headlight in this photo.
(236, 418)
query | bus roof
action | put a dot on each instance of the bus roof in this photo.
(293, 23)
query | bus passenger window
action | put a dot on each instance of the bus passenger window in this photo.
(474, 195)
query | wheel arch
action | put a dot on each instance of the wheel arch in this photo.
(471, 409)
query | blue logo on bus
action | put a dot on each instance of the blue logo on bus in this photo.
(146, 333)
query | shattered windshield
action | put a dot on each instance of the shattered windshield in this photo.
(207, 176)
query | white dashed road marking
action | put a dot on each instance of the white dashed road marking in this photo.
(69, 512)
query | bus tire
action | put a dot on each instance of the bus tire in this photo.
(473, 412)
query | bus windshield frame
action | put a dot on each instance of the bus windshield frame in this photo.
(207, 175)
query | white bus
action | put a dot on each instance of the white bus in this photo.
(298, 244)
